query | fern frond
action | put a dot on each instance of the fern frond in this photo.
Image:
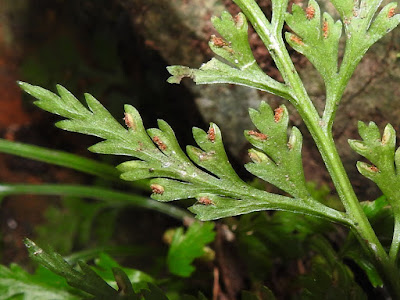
(381, 152)
(205, 173)
(234, 62)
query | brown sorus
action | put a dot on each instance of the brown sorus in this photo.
(219, 42)
(310, 12)
(159, 143)
(205, 201)
(296, 39)
(157, 189)
(374, 169)
(278, 114)
(258, 135)
(211, 134)
(325, 29)
(129, 122)
(391, 12)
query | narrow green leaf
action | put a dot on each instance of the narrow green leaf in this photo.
(114, 198)
(60, 158)
(86, 280)
(16, 283)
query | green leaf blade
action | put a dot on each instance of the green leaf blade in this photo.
(15, 282)
(86, 280)
(215, 72)
(185, 247)
(280, 162)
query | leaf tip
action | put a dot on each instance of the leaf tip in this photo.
(26, 87)
(366, 169)
(357, 145)
(129, 121)
(295, 139)
(278, 113)
(211, 134)
(32, 247)
(21, 83)
(28, 243)
(239, 20)
(389, 135)
(310, 12)
(257, 156)
(392, 11)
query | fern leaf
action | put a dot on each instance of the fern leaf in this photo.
(205, 173)
(380, 151)
(235, 62)
(279, 161)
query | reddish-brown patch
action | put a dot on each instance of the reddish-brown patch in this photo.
(205, 201)
(157, 189)
(211, 134)
(391, 12)
(374, 169)
(278, 114)
(206, 155)
(219, 42)
(129, 122)
(159, 143)
(325, 29)
(294, 38)
(258, 135)
(310, 12)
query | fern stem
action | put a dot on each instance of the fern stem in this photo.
(324, 141)
(115, 198)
